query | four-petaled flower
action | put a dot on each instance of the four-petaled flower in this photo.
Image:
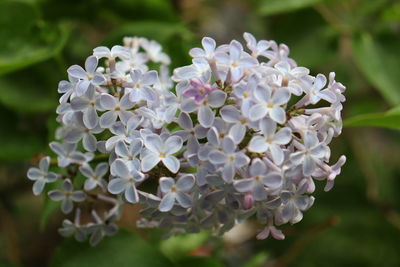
(67, 196)
(41, 175)
(126, 180)
(161, 150)
(87, 76)
(176, 191)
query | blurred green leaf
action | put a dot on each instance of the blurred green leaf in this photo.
(181, 245)
(29, 49)
(17, 139)
(271, 7)
(390, 119)
(22, 95)
(200, 262)
(123, 249)
(379, 64)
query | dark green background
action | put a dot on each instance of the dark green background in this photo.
(355, 224)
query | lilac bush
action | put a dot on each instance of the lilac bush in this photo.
(236, 134)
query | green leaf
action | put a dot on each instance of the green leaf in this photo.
(28, 49)
(123, 249)
(17, 140)
(272, 7)
(380, 64)
(181, 245)
(26, 95)
(390, 119)
(200, 262)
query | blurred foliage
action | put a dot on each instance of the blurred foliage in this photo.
(356, 224)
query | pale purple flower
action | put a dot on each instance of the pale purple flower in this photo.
(176, 191)
(198, 90)
(125, 181)
(309, 153)
(87, 76)
(228, 158)
(161, 150)
(140, 86)
(258, 181)
(87, 103)
(269, 102)
(294, 202)
(94, 178)
(206, 115)
(271, 141)
(67, 196)
(116, 51)
(67, 154)
(41, 175)
(116, 108)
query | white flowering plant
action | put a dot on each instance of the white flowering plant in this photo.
(236, 134)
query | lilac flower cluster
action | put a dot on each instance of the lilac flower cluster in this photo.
(238, 133)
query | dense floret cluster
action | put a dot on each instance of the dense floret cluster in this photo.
(237, 133)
